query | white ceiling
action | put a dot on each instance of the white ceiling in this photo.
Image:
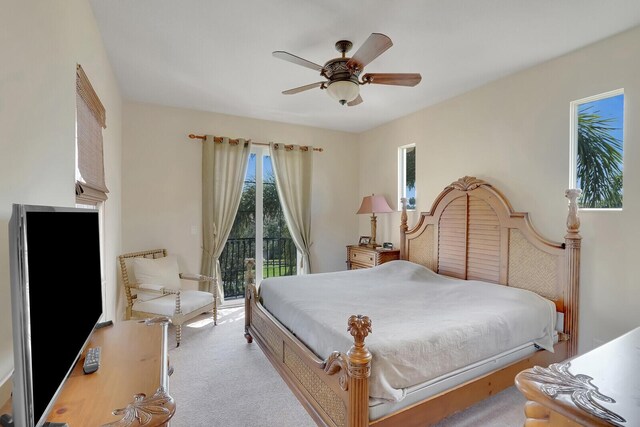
(215, 55)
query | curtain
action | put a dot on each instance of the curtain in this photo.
(224, 165)
(292, 167)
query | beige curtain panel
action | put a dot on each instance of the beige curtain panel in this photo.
(292, 167)
(224, 165)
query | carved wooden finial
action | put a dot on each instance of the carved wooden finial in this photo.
(466, 183)
(573, 221)
(358, 356)
(359, 327)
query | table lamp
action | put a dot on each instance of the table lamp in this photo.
(374, 204)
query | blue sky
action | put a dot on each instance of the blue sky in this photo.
(609, 107)
(251, 169)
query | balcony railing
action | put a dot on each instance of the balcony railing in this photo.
(279, 260)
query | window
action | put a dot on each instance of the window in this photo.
(259, 223)
(90, 120)
(597, 150)
(407, 175)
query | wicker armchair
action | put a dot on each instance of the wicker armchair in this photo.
(177, 304)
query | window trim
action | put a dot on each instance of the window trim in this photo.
(100, 208)
(260, 152)
(573, 141)
(402, 179)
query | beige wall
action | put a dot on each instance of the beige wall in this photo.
(41, 42)
(514, 133)
(162, 176)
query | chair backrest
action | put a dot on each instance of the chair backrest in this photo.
(128, 277)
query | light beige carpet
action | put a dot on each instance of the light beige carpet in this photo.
(221, 381)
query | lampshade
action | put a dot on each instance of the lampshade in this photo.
(374, 204)
(343, 91)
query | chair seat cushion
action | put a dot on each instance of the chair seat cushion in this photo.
(166, 306)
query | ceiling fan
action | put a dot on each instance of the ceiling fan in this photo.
(342, 74)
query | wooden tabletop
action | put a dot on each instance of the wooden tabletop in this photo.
(599, 388)
(130, 364)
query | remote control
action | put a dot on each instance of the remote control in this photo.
(91, 360)
(6, 421)
(100, 325)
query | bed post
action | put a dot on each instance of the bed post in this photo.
(249, 282)
(403, 228)
(572, 246)
(359, 365)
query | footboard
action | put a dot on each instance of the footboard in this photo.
(334, 391)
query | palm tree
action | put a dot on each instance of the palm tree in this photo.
(411, 168)
(599, 163)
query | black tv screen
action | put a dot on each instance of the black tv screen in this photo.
(57, 298)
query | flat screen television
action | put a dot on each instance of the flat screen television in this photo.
(56, 301)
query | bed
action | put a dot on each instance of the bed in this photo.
(466, 246)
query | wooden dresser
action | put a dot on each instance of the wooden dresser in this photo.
(365, 257)
(599, 388)
(133, 364)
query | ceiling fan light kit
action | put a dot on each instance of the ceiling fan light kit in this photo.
(343, 91)
(343, 73)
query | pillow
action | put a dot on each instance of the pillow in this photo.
(160, 271)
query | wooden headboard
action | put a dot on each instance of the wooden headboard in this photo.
(472, 233)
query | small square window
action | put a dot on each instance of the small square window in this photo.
(597, 150)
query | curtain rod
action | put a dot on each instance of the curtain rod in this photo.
(218, 139)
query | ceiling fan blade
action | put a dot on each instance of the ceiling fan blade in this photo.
(302, 88)
(296, 60)
(397, 79)
(373, 47)
(356, 101)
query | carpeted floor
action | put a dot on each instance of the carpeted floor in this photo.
(221, 381)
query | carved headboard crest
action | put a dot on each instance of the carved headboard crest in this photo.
(466, 183)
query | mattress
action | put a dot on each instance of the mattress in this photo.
(424, 325)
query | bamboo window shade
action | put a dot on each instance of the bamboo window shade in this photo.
(90, 120)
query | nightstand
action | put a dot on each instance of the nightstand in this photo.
(365, 257)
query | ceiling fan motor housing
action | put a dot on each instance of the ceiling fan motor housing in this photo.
(336, 69)
(343, 79)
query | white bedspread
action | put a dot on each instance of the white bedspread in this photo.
(423, 324)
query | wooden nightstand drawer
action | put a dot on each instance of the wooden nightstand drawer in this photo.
(368, 258)
(365, 257)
